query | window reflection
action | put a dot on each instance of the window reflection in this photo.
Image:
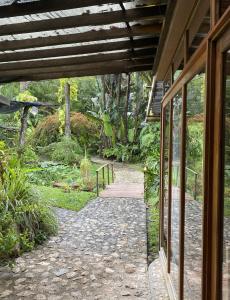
(193, 187)
(226, 217)
(166, 168)
(175, 208)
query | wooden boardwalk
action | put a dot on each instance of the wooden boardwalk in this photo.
(123, 190)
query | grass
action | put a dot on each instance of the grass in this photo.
(42, 180)
(73, 200)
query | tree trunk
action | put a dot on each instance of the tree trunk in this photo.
(127, 109)
(103, 92)
(67, 110)
(24, 118)
(119, 91)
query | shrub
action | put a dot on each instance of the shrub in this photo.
(27, 154)
(24, 220)
(85, 168)
(82, 127)
(47, 131)
(124, 153)
(67, 151)
(150, 152)
(85, 129)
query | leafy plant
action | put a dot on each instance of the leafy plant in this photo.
(85, 168)
(22, 215)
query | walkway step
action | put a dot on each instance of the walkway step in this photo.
(126, 190)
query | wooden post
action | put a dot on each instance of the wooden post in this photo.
(97, 184)
(24, 118)
(112, 172)
(67, 110)
(108, 173)
(103, 177)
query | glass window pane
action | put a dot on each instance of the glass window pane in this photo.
(175, 210)
(194, 187)
(226, 217)
(165, 173)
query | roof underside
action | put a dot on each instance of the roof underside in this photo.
(52, 39)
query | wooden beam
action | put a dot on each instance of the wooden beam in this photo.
(181, 14)
(89, 36)
(79, 67)
(76, 50)
(143, 13)
(43, 6)
(91, 72)
(148, 52)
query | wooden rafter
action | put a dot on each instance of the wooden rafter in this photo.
(143, 13)
(44, 6)
(58, 52)
(88, 72)
(148, 52)
(80, 67)
(113, 33)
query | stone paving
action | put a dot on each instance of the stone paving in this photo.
(99, 253)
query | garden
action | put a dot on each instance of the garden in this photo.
(47, 151)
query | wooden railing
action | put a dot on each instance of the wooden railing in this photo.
(110, 169)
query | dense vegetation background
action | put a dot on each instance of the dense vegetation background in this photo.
(50, 166)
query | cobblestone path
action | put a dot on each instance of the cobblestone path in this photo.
(99, 253)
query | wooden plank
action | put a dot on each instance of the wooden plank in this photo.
(148, 52)
(93, 35)
(76, 50)
(91, 72)
(143, 13)
(79, 67)
(42, 6)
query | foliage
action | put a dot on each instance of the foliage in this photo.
(85, 168)
(67, 151)
(24, 220)
(26, 96)
(153, 226)
(49, 172)
(84, 128)
(27, 154)
(150, 151)
(47, 131)
(124, 153)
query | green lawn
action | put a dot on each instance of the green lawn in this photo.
(73, 200)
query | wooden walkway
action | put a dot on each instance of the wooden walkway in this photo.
(125, 190)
